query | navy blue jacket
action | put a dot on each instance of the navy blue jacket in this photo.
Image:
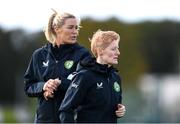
(94, 94)
(47, 63)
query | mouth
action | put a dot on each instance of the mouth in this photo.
(73, 37)
(115, 58)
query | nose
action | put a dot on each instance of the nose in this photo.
(75, 31)
(118, 52)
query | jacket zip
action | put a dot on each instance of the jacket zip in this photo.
(110, 90)
(56, 61)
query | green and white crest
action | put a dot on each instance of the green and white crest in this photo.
(116, 87)
(68, 64)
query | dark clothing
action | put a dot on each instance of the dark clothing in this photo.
(94, 93)
(50, 62)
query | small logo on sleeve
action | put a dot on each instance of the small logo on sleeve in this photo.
(71, 76)
(74, 85)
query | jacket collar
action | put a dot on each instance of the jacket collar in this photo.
(50, 48)
(90, 63)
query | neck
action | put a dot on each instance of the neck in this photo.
(58, 43)
(100, 61)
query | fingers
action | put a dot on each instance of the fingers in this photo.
(120, 113)
(57, 82)
(45, 95)
(121, 110)
(121, 106)
(47, 86)
(48, 95)
(51, 85)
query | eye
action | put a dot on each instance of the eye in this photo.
(114, 48)
(70, 27)
(77, 27)
(73, 27)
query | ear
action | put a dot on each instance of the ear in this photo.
(100, 52)
(56, 29)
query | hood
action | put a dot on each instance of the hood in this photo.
(91, 64)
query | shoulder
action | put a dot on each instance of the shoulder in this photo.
(83, 79)
(117, 76)
(81, 51)
(83, 74)
(80, 47)
(40, 51)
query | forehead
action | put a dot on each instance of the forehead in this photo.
(70, 21)
(114, 43)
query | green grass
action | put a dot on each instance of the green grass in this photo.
(8, 114)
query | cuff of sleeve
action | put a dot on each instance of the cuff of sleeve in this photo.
(64, 84)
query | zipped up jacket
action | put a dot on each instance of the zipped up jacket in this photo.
(46, 63)
(94, 93)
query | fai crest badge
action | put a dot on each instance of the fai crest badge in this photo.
(68, 64)
(116, 87)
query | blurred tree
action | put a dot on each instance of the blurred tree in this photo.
(16, 47)
(160, 43)
(7, 65)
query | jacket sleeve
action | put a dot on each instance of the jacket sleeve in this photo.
(73, 98)
(64, 84)
(33, 87)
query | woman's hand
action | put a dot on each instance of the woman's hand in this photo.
(50, 86)
(48, 95)
(121, 110)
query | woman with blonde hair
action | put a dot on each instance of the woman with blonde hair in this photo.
(95, 92)
(46, 77)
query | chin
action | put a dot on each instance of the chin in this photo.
(115, 62)
(72, 42)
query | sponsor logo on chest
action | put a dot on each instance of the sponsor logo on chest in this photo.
(99, 85)
(45, 63)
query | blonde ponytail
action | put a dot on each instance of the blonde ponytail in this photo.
(56, 20)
